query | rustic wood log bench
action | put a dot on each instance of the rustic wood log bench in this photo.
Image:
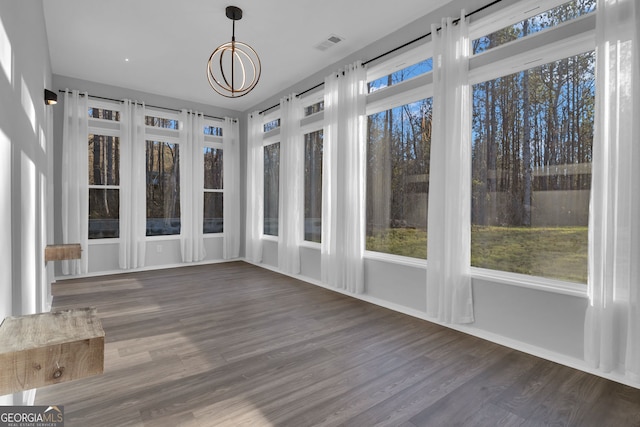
(49, 348)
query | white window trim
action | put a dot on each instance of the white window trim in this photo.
(212, 141)
(213, 235)
(396, 259)
(310, 245)
(104, 241)
(311, 128)
(272, 139)
(162, 138)
(530, 282)
(104, 187)
(400, 99)
(269, 238)
(95, 130)
(164, 237)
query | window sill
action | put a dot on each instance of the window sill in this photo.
(310, 245)
(269, 238)
(106, 241)
(396, 259)
(530, 282)
(514, 279)
(213, 235)
(163, 237)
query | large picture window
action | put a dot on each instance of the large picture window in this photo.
(398, 147)
(313, 149)
(163, 188)
(271, 188)
(531, 170)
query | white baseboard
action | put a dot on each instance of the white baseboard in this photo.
(148, 268)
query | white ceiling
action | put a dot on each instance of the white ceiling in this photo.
(168, 42)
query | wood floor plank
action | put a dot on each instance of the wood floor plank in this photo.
(236, 345)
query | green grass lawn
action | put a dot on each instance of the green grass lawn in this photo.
(551, 252)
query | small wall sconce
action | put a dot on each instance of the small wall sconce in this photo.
(50, 97)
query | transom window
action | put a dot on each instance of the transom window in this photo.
(162, 122)
(540, 22)
(271, 125)
(314, 108)
(401, 75)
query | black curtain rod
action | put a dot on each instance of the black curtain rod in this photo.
(382, 55)
(152, 106)
(455, 21)
(297, 96)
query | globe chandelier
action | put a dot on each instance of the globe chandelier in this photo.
(233, 69)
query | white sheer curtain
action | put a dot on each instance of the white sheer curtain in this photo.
(231, 182)
(133, 195)
(291, 200)
(255, 179)
(449, 297)
(191, 186)
(612, 326)
(343, 179)
(75, 178)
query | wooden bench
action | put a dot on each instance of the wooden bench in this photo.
(62, 252)
(49, 348)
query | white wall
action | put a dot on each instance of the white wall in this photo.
(25, 71)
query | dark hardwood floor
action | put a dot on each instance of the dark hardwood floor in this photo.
(236, 345)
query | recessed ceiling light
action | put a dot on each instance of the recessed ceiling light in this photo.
(126, 59)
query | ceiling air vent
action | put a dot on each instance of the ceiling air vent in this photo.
(330, 41)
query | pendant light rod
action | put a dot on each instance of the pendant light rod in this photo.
(234, 68)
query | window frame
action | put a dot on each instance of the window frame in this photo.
(105, 127)
(214, 141)
(573, 37)
(316, 126)
(565, 40)
(170, 136)
(270, 137)
(407, 92)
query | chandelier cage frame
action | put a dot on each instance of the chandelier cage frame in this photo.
(232, 63)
